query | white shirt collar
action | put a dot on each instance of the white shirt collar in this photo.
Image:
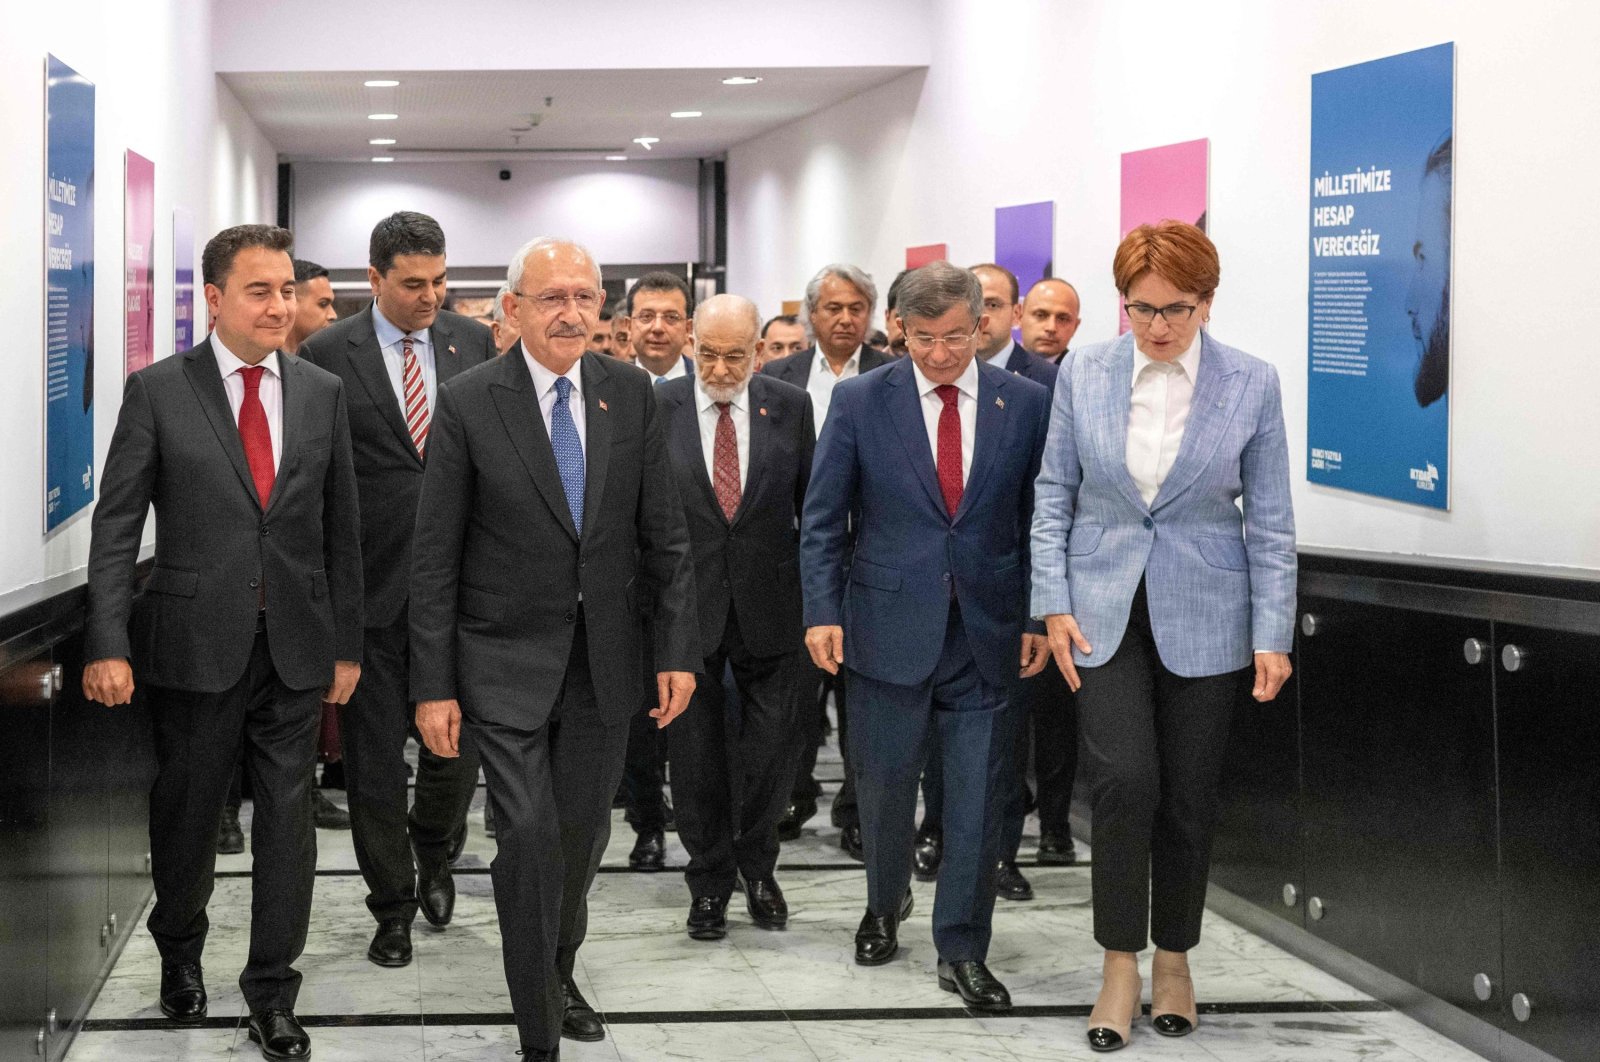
(1188, 361)
(1004, 355)
(544, 381)
(821, 363)
(678, 369)
(390, 334)
(966, 383)
(704, 402)
(230, 363)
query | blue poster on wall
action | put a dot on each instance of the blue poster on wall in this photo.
(69, 293)
(1378, 418)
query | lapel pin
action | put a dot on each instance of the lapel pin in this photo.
(603, 407)
(763, 411)
(1000, 402)
(452, 349)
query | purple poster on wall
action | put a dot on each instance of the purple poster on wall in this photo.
(139, 279)
(183, 280)
(1163, 183)
(1024, 242)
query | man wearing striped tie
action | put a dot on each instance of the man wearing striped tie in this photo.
(393, 356)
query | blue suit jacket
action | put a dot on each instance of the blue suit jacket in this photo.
(1220, 585)
(892, 594)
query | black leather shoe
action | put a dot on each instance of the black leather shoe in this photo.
(537, 1054)
(580, 1022)
(1172, 1025)
(850, 841)
(279, 1034)
(764, 900)
(230, 837)
(1009, 884)
(797, 815)
(976, 985)
(927, 855)
(391, 944)
(876, 937)
(708, 919)
(1056, 851)
(327, 814)
(436, 892)
(489, 828)
(183, 992)
(457, 844)
(649, 852)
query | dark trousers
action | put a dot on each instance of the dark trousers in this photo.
(730, 781)
(893, 726)
(1153, 744)
(812, 686)
(551, 790)
(376, 723)
(198, 737)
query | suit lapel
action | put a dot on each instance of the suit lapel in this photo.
(760, 442)
(205, 376)
(905, 410)
(991, 422)
(686, 438)
(446, 358)
(1115, 384)
(518, 407)
(597, 399)
(1216, 396)
(294, 426)
(366, 358)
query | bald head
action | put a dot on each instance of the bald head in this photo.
(727, 311)
(727, 329)
(1049, 317)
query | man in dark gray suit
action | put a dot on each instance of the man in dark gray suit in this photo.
(548, 518)
(393, 356)
(250, 619)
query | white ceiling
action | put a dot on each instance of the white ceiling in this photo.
(453, 115)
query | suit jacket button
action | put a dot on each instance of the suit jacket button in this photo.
(1148, 523)
(254, 583)
(571, 617)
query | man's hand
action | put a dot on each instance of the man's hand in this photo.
(673, 690)
(1064, 634)
(826, 646)
(439, 723)
(1272, 671)
(1035, 653)
(108, 682)
(346, 673)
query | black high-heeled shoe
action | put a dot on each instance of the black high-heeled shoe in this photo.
(1104, 1036)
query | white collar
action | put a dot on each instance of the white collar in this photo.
(1188, 361)
(390, 334)
(230, 363)
(1003, 355)
(704, 402)
(544, 379)
(966, 383)
(822, 364)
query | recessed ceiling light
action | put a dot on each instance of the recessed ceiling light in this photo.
(687, 114)
(381, 141)
(647, 142)
(616, 158)
(741, 79)
(380, 83)
(383, 117)
(383, 158)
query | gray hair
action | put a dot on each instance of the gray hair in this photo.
(734, 304)
(935, 289)
(497, 312)
(544, 243)
(859, 278)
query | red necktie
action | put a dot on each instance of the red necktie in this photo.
(725, 464)
(255, 434)
(949, 448)
(416, 397)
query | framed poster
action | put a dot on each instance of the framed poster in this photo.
(139, 237)
(1161, 184)
(917, 257)
(182, 280)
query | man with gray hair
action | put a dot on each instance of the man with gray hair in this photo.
(505, 332)
(935, 456)
(548, 522)
(741, 450)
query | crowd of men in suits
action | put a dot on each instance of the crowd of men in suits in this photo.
(532, 545)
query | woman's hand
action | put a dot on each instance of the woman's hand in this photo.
(1063, 634)
(1272, 671)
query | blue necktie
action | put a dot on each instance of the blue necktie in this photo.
(569, 451)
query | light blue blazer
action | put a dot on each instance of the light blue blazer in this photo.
(1221, 584)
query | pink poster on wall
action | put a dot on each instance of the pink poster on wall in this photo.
(1161, 183)
(139, 235)
(917, 257)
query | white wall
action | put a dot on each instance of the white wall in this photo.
(1028, 100)
(156, 94)
(624, 212)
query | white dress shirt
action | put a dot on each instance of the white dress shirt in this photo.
(1157, 413)
(390, 342)
(1000, 359)
(678, 369)
(822, 381)
(966, 408)
(739, 410)
(271, 392)
(544, 386)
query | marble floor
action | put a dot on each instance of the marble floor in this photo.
(773, 996)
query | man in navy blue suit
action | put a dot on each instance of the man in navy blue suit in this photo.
(936, 455)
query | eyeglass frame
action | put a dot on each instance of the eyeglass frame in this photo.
(552, 302)
(915, 341)
(1164, 312)
(670, 318)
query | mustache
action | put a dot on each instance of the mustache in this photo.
(566, 331)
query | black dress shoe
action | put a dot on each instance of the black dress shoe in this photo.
(876, 937)
(327, 814)
(797, 815)
(850, 841)
(1009, 884)
(1056, 851)
(649, 852)
(927, 855)
(183, 992)
(279, 1034)
(580, 1022)
(230, 837)
(539, 1054)
(436, 892)
(764, 900)
(489, 828)
(977, 986)
(391, 944)
(708, 918)
(457, 844)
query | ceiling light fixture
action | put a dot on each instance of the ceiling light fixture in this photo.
(741, 79)
(383, 158)
(383, 117)
(382, 141)
(380, 83)
(687, 114)
(647, 142)
(616, 158)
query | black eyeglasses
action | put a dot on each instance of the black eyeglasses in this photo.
(1177, 313)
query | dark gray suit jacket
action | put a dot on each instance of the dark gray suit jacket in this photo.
(388, 468)
(1039, 370)
(751, 565)
(796, 368)
(498, 566)
(177, 446)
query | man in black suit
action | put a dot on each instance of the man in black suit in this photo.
(838, 309)
(250, 619)
(741, 450)
(549, 518)
(393, 356)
